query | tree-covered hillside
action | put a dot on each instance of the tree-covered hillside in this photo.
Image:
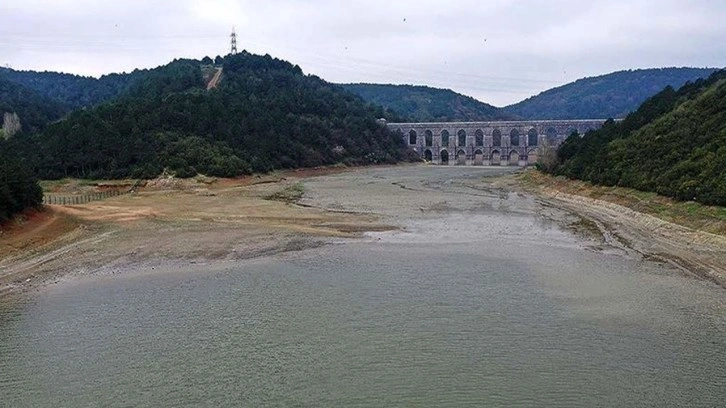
(674, 144)
(33, 110)
(265, 114)
(18, 188)
(608, 96)
(73, 91)
(425, 104)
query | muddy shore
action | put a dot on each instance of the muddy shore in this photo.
(167, 226)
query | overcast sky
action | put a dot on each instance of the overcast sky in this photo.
(498, 51)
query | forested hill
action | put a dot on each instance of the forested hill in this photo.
(608, 96)
(265, 114)
(425, 104)
(33, 110)
(73, 91)
(674, 144)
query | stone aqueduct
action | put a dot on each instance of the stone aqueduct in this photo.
(499, 143)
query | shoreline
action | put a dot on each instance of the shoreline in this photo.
(235, 220)
(173, 222)
(698, 253)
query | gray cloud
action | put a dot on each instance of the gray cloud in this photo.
(499, 51)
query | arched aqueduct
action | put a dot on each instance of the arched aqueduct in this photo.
(512, 143)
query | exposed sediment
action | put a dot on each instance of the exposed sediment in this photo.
(167, 226)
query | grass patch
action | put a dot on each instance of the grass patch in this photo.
(687, 213)
(76, 185)
(290, 194)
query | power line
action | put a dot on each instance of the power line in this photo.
(388, 72)
(90, 42)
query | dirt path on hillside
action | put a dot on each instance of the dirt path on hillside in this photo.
(214, 82)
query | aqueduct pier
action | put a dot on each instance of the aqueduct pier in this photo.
(511, 143)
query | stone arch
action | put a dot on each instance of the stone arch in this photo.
(479, 138)
(461, 138)
(478, 157)
(551, 136)
(496, 158)
(514, 137)
(444, 156)
(532, 137)
(532, 156)
(513, 158)
(461, 157)
(412, 137)
(445, 138)
(429, 138)
(497, 138)
(428, 155)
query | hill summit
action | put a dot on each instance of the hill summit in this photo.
(264, 114)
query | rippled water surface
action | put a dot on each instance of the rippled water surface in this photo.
(526, 316)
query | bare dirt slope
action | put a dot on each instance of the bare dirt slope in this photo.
(214, 82)
(662, 230)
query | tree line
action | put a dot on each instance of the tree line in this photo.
(674, 145)
(18, 187)
(266, 114)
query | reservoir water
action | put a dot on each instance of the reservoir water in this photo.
(483, 302)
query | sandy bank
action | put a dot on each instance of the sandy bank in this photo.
(694, 251)
(172, 223)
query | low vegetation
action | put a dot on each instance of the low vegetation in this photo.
(691, 214)
(290, 194)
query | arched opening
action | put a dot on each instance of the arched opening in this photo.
(514, 137)
(497, 138)
(496, 159)
(551, 136)
(412, 137)
(429, 136)
(532, 137)
(462, 138)
(479, 138)
(444, 157)
(513, 158)
(445, 138)
(478, 157)
(428, 155)
(461, 158)
(532, 157)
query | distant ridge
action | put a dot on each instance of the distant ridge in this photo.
(426, 104)
(607, 96)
